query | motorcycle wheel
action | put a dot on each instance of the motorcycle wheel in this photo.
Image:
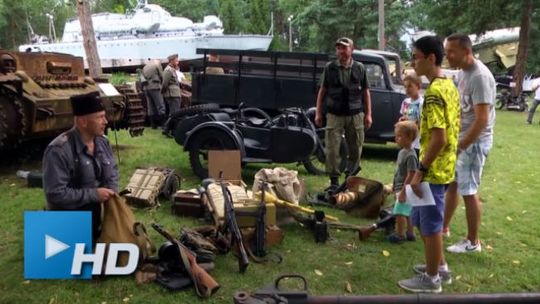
(523, 105)
(205, 141)
(316, 163)
(499, 102)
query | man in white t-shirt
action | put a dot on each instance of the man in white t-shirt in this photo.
(477, 90)
(536, 102)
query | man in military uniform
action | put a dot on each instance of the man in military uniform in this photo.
(171, 90)
(79, 170)
(344, 94)
(153, 74)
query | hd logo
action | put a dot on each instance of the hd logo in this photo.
(58, 245)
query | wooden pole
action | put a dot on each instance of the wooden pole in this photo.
(89, 38)
(521, 60)
(381, 25)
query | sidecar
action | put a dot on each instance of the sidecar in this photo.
(259, 140)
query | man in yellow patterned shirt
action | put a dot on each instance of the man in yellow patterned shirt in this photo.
(439, 129)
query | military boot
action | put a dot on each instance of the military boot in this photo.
(152, 119)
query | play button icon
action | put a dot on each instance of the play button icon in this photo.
(53, 246)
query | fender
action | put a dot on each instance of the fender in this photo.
(226, 128)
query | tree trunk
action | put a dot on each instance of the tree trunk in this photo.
(89, 38)
(521, 60)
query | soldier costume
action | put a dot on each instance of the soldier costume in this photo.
(71, 175)
(171, 90)
(153, 76)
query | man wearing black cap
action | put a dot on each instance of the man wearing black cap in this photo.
(79, 171)
(171, 90)
(344, 93)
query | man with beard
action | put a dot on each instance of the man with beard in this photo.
(344, 94)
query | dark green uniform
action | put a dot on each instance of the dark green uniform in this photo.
(345, 112)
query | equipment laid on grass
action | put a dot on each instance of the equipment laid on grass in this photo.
(147, 184)
(119, 226)
(205, 285)
(188, 203)
(231, 225)
(269, 198)
(273, 294)
(356, 195)
(386, 222)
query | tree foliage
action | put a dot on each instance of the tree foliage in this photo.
(315, 25)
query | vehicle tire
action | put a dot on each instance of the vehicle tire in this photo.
(172, 183)
(523, 105)
(197, 109)
(316, 163)
(211, 139)
(499, 103)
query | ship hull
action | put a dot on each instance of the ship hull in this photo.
(123, 54)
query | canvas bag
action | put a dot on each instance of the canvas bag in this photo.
(119, 226)
(284, 183)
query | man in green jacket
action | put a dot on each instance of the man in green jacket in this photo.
(344, 93)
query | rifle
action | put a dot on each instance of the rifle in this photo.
(205, 285)
(260, 226)
(272, 294)
(232, 225)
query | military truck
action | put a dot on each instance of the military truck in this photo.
(276, 80)
(34, 97)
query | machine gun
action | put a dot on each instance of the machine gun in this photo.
(273, 294)
(205, 285)
(232, 225)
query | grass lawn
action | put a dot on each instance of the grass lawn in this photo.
(509, 232)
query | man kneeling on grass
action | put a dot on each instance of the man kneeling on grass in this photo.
(439, 128)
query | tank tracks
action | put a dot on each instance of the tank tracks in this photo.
(12, 119)
(135, 113)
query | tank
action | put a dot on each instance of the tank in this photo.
(35, 91)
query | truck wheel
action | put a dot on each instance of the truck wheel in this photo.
(207, 140)
(196, 109)
(316, 163)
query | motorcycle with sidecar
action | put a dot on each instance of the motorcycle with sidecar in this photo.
(289, 137)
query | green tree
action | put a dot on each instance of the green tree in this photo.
(194, 10)
(13, 28)
(231, 14)
(259, 16)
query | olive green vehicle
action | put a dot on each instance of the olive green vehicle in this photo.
(35, 89)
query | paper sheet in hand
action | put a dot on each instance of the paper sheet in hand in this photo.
(415, 201)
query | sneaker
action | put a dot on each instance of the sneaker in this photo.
(464, 246)
(395, 238)
(410, 236)
(446, 276)
(421, 283)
